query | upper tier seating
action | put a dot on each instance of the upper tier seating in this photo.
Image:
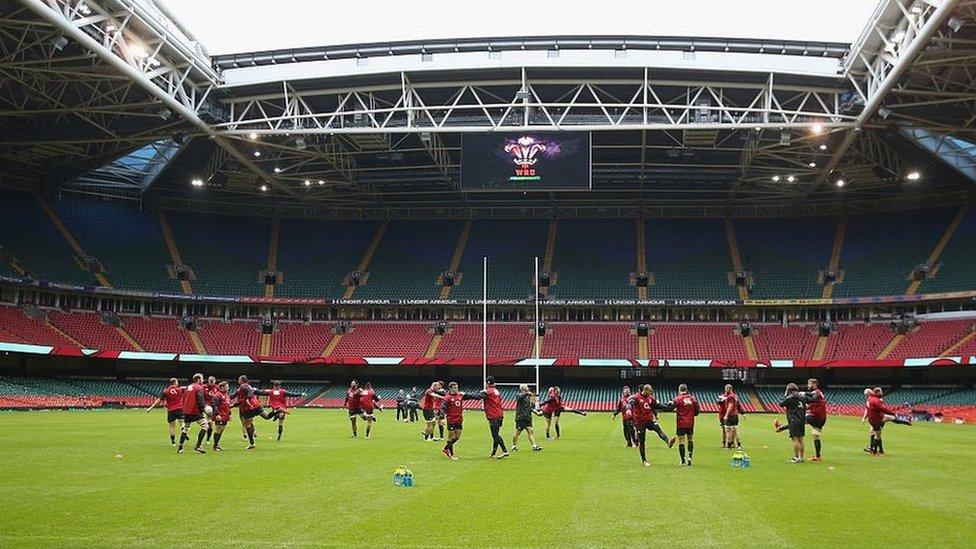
(14, 322)
(881, 250)
(296, 338)
(237, 337)
(510, 246)
(504, 340)
(696, 341)
(931, 338)
(956, 272)
(772, 341)
(689, 259)
(593, 258)
(859, 340)
(226, 253)
(569, 340)
(89, 330)
(32, 237)
(384, 339)
(409, 258)
(315, 256)
(128, 242)
(158, 335)
(785, 255)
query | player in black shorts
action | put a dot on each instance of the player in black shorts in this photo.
(524, 406)
(795, 403)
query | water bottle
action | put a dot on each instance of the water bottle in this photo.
(408, 478)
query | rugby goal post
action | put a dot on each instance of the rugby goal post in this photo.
(484, 328)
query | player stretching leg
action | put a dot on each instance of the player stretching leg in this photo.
(732, 410)
(278, 402)
(494, 413)
(172, 395)
(553, 407)
(246, 398)
(429, 407)
(877, 414)
(368, 399)
(644, 407)
(816, 415)
(352, 406)
(686, 408)
(795, 403)
(628, 421)
(524, 406)
(194, 411)
(221, 413)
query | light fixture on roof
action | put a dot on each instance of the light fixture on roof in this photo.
(522, 94)
(817, 128)
(790, 178)
(264, 188)
(321, 182)
(308, 183)
(776, 178)
(257, 154)
(823, 146)
(196, 182)
(83, 8)
(913, 175)
(300, 144)
(812, 164)
(59, 42)
(110, 28)
(252, 136)
(955, 23)
(138, 51)
(840, 183)
(277, 169)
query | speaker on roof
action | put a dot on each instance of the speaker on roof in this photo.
(267, 325)
(544, 280)
(642, 329)
(824, 329)
(343, 327)
(745, 329)
(543, 328)
(642, 280)
(188, 323)
(441, 328)
(447, 279)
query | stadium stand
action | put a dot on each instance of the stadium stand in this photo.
(296, 338)
(585, 340)
(511, 247)
(504, 340)
(29, 330)
(696, 341)
(790, 342)
(956, 272)
(409, 259)
(89, 330)
(785, 255)
(27, 232)
(881, 250)
(226, 253)
(315, 256)
(689, 259)
(385, 339)
(237, 337)
(593, 259)
(931, 338)
(128, 242)
(858, 340)
(158, 335)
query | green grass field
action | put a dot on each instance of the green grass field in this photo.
(110, 478)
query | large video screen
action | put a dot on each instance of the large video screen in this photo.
(528, 161)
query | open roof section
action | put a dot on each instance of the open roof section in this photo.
(229, 27)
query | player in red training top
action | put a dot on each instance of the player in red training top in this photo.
(351, 405)
(278, 402)
(877, 414)
(246, 398)
(686, 408)
(221, 412)
(428, 407)
(644, 407)
(194, 411)
(368, 399)
(172, 395)
(730, 414)
(453, 407)
(629, 436)
(816, 415)
(495, 415)
(553, 407)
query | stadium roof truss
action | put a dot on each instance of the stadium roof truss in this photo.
(678, 123)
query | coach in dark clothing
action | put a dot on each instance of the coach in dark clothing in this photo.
(795, 403)
(525, 403)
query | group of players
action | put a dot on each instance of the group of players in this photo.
(209, 405)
